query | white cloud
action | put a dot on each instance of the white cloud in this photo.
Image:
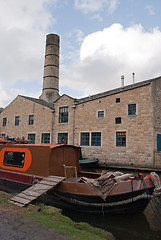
(23, 26)
(25, 14)
(98, 17)
(7, 96)
(115, 51)
(93, 6)
(79, 35)
(113, 5)
(150, 10)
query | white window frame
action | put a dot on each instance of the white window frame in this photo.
(100, 110)
(44, 133)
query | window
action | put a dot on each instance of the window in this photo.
(17, 120)
(14, 159)
(121, 139)
(62, 138)
(158, 142)
(117, 100)
(63, 114)
(31, 137)
(96, 139)
(118, 120)
(31, 119)
(132, 109)
(45, 138)
(4, 122)
(84, 139)
(100, 114)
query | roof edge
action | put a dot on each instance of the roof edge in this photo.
(117, 90)
(63, 96)
(38, 101)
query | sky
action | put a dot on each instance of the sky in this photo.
(100, 40)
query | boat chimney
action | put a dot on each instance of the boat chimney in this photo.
(50, 91)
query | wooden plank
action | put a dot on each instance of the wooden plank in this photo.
(41, 187)
(56, 177)
(53, 179)
(20, 200)
(50, 183)
(16, 203)
(26, 196)
(31, 193)
(40, 192)
(36, 190)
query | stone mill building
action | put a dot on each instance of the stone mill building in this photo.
(120, 127)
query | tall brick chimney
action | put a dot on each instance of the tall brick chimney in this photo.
(50, 91)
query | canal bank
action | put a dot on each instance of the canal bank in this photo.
(47, 223)
(144, 226)
(130, 168)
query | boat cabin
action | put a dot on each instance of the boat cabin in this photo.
(41, 160)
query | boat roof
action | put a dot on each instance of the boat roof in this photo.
(2, 140)
(41, 145)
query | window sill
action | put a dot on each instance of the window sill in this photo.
(63, 122)
(132, 115)
(121, 146)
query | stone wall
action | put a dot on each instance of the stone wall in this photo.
(64, 101)
(139, 128)
(23, 108)
(156, 100)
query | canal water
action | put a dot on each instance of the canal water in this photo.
(144, 226)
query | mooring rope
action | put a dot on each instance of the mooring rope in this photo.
(82, 203)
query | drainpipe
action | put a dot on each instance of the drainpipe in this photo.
(74, 108)
(52, 125)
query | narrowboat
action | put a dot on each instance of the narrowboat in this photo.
(22, 165)
(87, 162)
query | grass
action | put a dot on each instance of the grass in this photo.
(4, 197)
(53, 219)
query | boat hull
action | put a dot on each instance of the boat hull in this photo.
(82, 198)
(88, 162)
(103, 207)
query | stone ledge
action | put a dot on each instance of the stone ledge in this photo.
(135, 168)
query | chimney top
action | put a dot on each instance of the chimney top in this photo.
(133, 76)
(122, 80)
(52, 39)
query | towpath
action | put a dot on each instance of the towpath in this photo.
(15, 227)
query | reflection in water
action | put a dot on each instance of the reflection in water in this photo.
(144, 226)
(153, 214)
(123, 226)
